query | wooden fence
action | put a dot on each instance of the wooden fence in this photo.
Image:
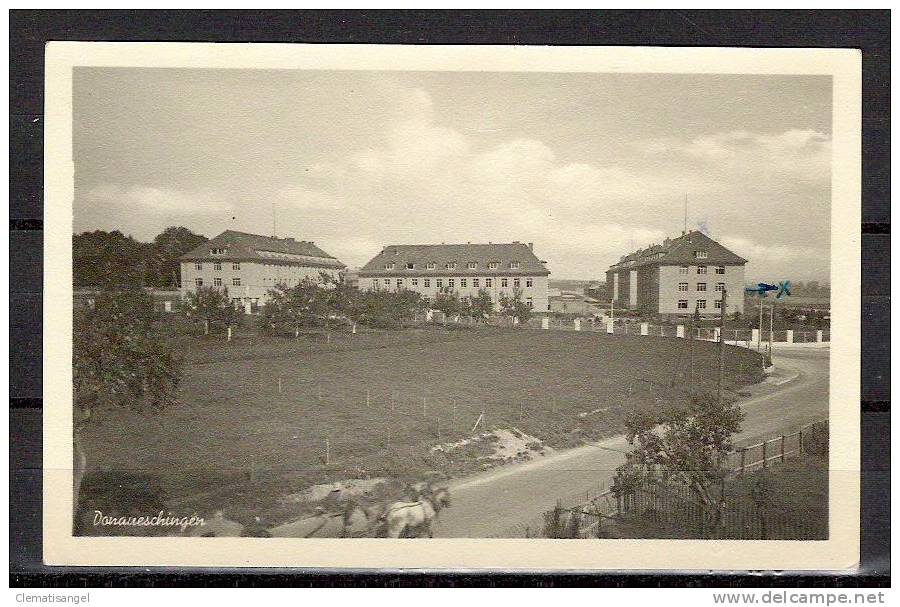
(670, 503)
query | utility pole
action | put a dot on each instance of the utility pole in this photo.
(722, 344)
(771, 323)
(691, 353)
(759, 335)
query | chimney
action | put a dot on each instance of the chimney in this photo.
(531, 246)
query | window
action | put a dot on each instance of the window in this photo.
(720, 270)
(720, 286)
(682, 304)
(529, 301)
(389, 266)
(415, 282)
(451, 283)
(682, 286)
(198, 282)
(399, 283)
(472, 265)
(514, 265)
(504, 282)
(198, 266)
(489, 282)
(217, 282)
(217, 266)
(387, 282)
(516, 283)
(476, 282)
(701, 269)
(529, 282)
(428, 282)
(701, 254)
(683, 270)
(701, 304)
(718, 304)
(439, 283)
(494, 265)
(429, 266)
(374, 283)
(236, 265)
(410, 266)
(450, 265)
(462, 283)
(218, 251)
(701, 286)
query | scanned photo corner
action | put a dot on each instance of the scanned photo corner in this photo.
(373, 302)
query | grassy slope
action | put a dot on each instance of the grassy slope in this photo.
(231, 417)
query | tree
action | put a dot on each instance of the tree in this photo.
(168, 246)
(481, 304)
(110, 260)
(290, 309)
(447, 301)
(689, 443)
(210, 305)
(118, 362)
(513, 306)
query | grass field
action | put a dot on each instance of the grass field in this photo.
(257, 418)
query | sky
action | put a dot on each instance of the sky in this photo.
(587, 166)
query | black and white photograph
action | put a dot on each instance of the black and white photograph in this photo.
(402, 303)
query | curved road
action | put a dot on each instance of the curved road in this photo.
(501, 502)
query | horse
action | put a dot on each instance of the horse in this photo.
(414, 519)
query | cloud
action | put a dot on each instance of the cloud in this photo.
(157, 201)
(416, 180)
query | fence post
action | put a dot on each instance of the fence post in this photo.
(782, 448)
(743, 460)
(279, 384)
(800, 445)
(545, 322)
(609, 327)
(327, 451)
(367, 398)
(790, 336)
(765, 462)
(679, 331)
(578, 324)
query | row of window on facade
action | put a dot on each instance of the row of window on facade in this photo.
(451, 282)
(472, 265)
(701, 286)
(701, 304)
(700, 269)
(217, 282)
(217, 266)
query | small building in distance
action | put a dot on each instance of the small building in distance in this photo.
(250, 265)
(464, 268)
(572, 302)
(678, 276)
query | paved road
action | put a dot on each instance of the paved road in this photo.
(500, 502)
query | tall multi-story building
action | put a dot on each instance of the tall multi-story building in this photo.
(677, 277)
(249, 265)
(463, 268)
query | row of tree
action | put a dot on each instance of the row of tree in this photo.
(112, 259)
(330, 302)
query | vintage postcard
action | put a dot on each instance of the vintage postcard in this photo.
(452, 307)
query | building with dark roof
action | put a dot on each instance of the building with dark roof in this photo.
(249, 265)
(677, 277)
(499, 268)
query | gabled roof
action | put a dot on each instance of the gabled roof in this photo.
(240, 246)
(503, 254)
(681, 251)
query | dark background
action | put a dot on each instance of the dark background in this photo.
(30, 30)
